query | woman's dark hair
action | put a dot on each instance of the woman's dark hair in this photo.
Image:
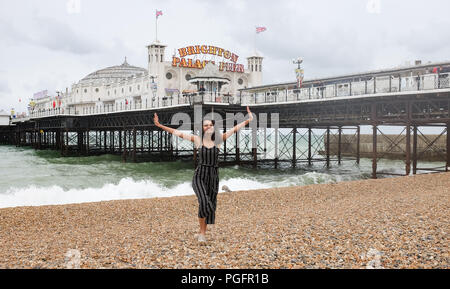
(213, 136)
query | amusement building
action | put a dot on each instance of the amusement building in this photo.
(214, 72)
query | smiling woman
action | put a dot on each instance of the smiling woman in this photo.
(205, 181)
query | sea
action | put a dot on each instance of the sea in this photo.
(32, 177)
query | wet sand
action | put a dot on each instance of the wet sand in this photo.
(388, 223)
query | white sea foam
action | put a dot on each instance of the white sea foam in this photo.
(128, 188)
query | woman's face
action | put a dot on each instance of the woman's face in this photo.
(208, 127)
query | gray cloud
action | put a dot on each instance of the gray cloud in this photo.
(4, 87)
(40, 40)
(49, 33)
(59, 36)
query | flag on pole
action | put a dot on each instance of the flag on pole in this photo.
(260, 29)
(158, 13)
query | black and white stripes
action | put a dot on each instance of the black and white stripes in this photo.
(206, 183)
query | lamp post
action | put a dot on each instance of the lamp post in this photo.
(154, 88)
(298, 73)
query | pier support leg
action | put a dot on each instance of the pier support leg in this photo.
(294, 147)
(151, 140)
(309, 146)
(414, 153)
(160, 140)
(57, 140)
(113, 135)
(39, 139)
(87, 142)
(448, 148)
(80, 142)
(142, 140)
(339, 145)
(374, 152)
(254, 147)
(225, 145)
(265, 143)
(66, 147)
(104, 142)
(237, 150)
(328, 148)
(120, 141)
(276, 147)
(358, 141)
(60, 136)
(124, 153)
(134, 145)
(408, 150)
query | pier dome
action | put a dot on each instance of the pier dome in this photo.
(113, 73)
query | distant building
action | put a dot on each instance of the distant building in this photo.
(4, 118)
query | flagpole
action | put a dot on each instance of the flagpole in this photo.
(156, 26)
(255, 39)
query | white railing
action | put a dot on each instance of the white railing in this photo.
(156, 102)
(378, 85)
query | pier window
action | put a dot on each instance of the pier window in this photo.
(96, 90)
(188, 76)
(169, 75)
(240, 81)
(85, 90)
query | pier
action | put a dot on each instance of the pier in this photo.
(318, 124)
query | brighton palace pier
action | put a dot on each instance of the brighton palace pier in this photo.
(111, 111)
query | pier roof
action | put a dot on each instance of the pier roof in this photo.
(114, 72)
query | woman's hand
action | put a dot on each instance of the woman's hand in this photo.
(250, 115)
(156, 120)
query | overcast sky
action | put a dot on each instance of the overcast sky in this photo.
(46, 45)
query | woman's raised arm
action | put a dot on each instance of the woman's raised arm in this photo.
(186, 136)
(238, 126)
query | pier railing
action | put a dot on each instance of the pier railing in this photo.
(155, 102)
(376, 85)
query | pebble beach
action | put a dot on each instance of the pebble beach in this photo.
(400, 222)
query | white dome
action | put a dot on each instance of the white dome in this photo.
(113, 73)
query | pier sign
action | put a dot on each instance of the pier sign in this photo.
(229, 62)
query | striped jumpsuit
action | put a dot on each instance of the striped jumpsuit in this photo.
(206, 182)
